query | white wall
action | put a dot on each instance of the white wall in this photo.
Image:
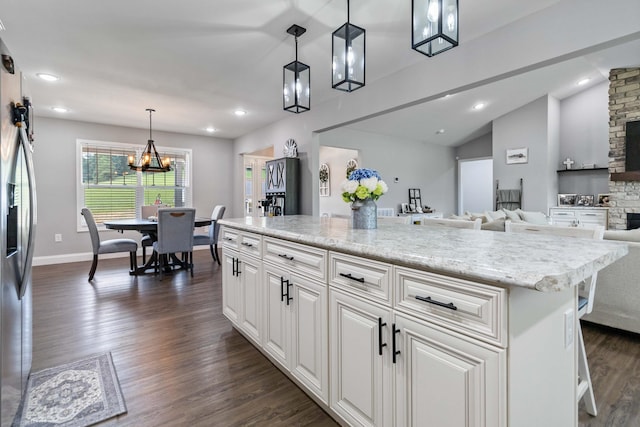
(478, 148)
(431, 168)
(336, 158)
(55, 167)
(529, 127)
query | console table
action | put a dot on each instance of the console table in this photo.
(580, 216)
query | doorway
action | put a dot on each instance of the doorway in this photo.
(475, 185)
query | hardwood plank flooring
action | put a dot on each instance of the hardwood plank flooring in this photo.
(180, 363)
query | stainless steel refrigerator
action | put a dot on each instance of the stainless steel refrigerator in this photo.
(17, 233)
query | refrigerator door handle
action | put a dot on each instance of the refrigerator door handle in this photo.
(28, 157)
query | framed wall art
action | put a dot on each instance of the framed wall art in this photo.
(517, 155)
(585, 200)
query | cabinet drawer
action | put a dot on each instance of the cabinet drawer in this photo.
(593, 216)
(558, 213)
(251, 244)
(471, 308)
(230, 237)
(301, 259)
(367, 278)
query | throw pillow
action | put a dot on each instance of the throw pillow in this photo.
(493, 215)
(465, 217)
(497, 225)
(473, 216)
(533, 217)
(512, 215)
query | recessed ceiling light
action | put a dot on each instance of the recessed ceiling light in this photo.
(210, 129)
(48, 77)
(583, 82)
(439, 131)
(479, 106)
(60, 109)
(239, 112)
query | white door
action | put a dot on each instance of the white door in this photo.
(309, 346)
(360, 376)
(230, 286)
(470, 378)
(276, 314)
(475, 185)
(251, 298)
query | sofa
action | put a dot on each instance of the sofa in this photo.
(617, 297)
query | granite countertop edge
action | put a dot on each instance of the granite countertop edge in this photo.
(545, 274)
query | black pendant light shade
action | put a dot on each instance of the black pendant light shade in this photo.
(435, 25)
(150, 160)
(296, 94)
(348, 51)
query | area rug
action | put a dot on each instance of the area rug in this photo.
(76, 394)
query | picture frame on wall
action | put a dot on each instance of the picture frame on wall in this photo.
(604, 200)
(567, 199)
(517, 155)
(585, 200)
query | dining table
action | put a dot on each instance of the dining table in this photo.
(150, 227)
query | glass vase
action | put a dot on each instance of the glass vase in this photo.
(364, 214)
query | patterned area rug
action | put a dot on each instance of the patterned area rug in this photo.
(77, 394)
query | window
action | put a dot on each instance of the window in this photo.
(111, 190)
(255, 184)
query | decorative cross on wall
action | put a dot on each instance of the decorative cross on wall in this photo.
(567, 163)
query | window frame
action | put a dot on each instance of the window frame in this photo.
(139, 186)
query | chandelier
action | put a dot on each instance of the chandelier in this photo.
(150, 160)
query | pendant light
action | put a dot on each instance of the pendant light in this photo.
(435, 25)
(296, 95)
(348, 51)
(150, 160)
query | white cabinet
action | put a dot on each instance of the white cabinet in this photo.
(241, 293)
(295, 326)
(444, 379)
(360, 360)
(581, 217)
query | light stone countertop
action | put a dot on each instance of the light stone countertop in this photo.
(544, 263)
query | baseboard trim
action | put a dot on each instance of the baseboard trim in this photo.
(87, 256)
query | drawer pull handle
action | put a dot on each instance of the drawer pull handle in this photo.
(380, 343)
(438, 303)
(228, 239)
(349, 276)
(589, 214)
(282, 292)
(394, 352)
(250, 245)
(285, 256)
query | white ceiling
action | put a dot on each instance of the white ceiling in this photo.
(197, 61)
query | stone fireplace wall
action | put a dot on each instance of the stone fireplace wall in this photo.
(624, 106)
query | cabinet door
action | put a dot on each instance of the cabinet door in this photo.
(276, 314)
(444, 379)
(360, 376)
(251, 298)
(309, 345)
(230, 286)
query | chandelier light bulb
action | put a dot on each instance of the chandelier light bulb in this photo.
(433, 11)
(451, 22)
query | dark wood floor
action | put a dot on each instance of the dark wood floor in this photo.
(180, 363)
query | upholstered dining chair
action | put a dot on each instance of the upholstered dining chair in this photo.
(585, 299)
(175, 235)
(107, 246)
(211, 239)
(147, 211)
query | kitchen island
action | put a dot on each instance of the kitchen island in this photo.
(414, 325)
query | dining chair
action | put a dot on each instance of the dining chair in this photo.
(211, 239)
(147, 211)
(175, 235)
(585, 299)
(107, 246)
